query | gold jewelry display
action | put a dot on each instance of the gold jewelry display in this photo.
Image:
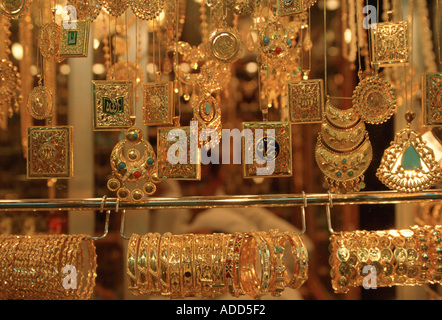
(14, 9)
(408, 164)
(75, 42)
(267, 153)
(432, 99)
(374, 100)
(390, 44)
(208, 265)
(113, 104)
(191, 169)
(406, 257)
(33, 267)
(306, 101)
(50, 152)
(132, 165)
(158, 103)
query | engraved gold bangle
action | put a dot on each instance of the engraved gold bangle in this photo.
(164, 264)
(236, 289)
(206, 267)
(277, 244)
(153, 263)
(188, 265)
(142, 280)
(198, 258)
(301, 260)
(132, 270)
(175, 277)
(219, 257)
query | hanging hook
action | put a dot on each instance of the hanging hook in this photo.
(329, 205)
(123, 219)
(303, 213)
(106, 225)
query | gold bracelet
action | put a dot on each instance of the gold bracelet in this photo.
(132, 270)
(301, 261)
(143, 278)
(219, 257)
(198, 258)
(188, 266)
(436, 243)
(206, 267)
(277, 242)
(174, 258)
(233, 261)
(153, 264)
(164, 264)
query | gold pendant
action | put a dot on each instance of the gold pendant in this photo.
(385, 258)
(133, 160)
(10, 91)
(50, 152)
(409, 165)
(340, 118)
(274, 41)
(374, 100)
(207, 113)
(243, 7)
(113, 104)
(287, 7)
(175, 158)
(14, 9)
(267, 149)
(49, 42)
(146, 9)
(390, 44)
(432, 98)
(343, 140)
(40, 103)
(87, 9)
(306, 101)
(225, 44)
(115, 7)
(158, 104)
(75, 42)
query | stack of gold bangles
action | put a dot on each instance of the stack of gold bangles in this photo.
(388, 258)
(207, 265)
(52, 267)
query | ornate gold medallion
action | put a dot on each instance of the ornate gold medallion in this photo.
(242, 7)
(390, 44)
(409, 165)
(113, 104)
(14, 9)
(40, 103)
(146, 9)
(174, 152)
(306, 101)
(133, 160)
(49, 42)
(274, 41)
(432, 98)
(267, 149)
(115, 7)
(75, 42)
(50, 152)
(158, 104)
(374, 100)
(343, 140)
(340, 118)
(225, 44)
(208, 114)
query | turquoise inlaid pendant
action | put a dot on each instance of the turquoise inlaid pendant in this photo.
(411, 159)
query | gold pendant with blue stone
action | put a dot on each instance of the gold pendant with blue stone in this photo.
(409, 165)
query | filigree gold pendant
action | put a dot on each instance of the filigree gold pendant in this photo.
(115, 7)
(174, 153)
(409, 165)
(340, 118)
(432, 98)
(49, 42)
(50, 152)
(287, 7)
(207, 113)
(158, 105)
(225, 44)
(75, 42)
(113, 104)
(306, 101)
(14, 9)
(40, 103)
(267, 149)
(10, 91)
(374, 100)
(343, 140)
(390, 44)
(274, 41)
(133, 160)
(146, 9)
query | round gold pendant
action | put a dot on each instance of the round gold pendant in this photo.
(14, 9)
(374, 100)
(225, 45)
(40, 102)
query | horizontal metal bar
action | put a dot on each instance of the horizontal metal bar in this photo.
(274, 200)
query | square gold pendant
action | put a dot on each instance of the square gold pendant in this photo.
(390, 44)
(287, 7)
(266, 149)
(75, 42)
(306, 101)
(432, 98)
(113, 104)
(50, 153)
(158, 107)
(175, 158)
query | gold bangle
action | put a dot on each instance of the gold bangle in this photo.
(198, 258)
(300, 254)
(232, 272)
(206, 267)
(164, 264)
(132, 270)
(175, 277)
(153, 264)
(142, 281)
(277, 244)
(187, 259)
(219, 257)
(437, 253)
